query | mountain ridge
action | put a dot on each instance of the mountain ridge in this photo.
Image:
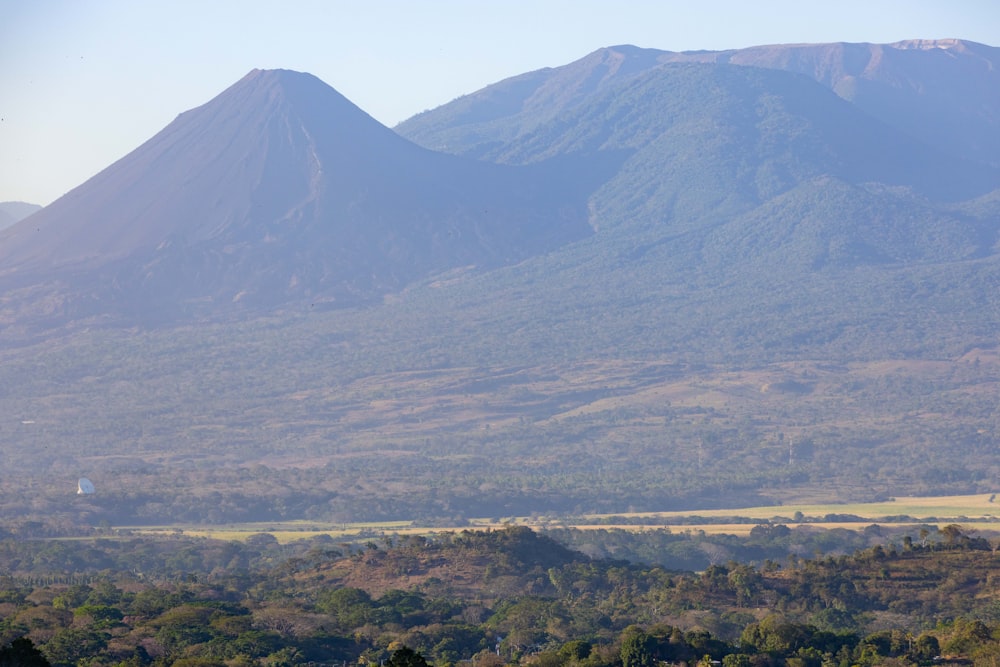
(912, 85)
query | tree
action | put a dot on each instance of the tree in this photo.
(576, 649)
(736, 660)
(22, 653)
(70, 644)
(926, 647)
(350, 607)
(406, 657)
(953, 535)
(637, 648)
(745, 581)
(967, 635)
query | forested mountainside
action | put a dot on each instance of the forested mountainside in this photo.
(939, 91)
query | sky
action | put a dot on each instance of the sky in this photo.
(84, 82)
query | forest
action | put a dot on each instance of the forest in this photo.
(343, 442)
(507, 596)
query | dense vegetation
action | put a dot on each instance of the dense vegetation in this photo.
(493, 598)
(323, 419)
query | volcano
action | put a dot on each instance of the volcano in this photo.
(277, 191)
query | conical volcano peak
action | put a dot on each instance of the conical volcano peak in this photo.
(279, 77)
(280, 189)
(280, 83)
(275, 73)
(252, 153)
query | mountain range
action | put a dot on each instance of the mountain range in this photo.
(280, 191)
(941, 92)
(641, 279)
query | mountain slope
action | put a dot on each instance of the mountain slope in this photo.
(480, 122)
(705, 143)
(279, 190)
(15, 211)
(945, 93)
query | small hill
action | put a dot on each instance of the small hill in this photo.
(908, 583)
(515, 558)
(15, 211)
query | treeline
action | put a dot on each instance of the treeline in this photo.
(508, 596)
(673, 548)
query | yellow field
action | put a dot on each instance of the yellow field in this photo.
(939, 510)
(939, 507)
(743, 529)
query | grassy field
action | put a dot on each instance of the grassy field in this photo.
(932, 507)
(977, 511)
(743, 529)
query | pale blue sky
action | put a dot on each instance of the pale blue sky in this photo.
(83, 82)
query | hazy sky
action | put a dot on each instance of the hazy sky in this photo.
(83, 82)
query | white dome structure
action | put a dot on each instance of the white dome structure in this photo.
(84, 487)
